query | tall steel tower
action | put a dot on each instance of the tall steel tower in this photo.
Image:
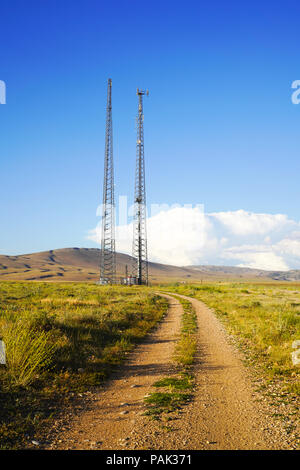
(108, 253)
(140, 255)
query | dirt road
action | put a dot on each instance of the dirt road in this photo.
(224, 414)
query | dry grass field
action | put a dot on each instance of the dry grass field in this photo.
(265, 318)
(64, 339)
(61, 340)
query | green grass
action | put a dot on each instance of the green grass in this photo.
(176, 383)
(264, 317)
(61, 340)
(167, 401)
(186, 347)
(28, 351)
(172, 399)
(185, 350)
(159, 403)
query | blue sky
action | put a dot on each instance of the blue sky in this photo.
(220, 127)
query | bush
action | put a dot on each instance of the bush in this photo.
(27, 352)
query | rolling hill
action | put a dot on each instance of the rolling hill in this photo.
(82, 264)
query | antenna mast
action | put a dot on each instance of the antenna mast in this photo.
(108, 253)
(140, 255)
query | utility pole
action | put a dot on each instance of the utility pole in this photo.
(108, 253)
(140, 255)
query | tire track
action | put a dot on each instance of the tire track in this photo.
(116, 412)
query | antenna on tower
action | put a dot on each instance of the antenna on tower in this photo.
(108, 253)
(139, 252)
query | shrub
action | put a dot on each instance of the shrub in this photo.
(27, 352)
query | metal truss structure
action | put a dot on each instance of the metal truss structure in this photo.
(139, 252)
(108, 252)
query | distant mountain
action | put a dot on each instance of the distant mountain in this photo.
(233, 271)
(82, 264)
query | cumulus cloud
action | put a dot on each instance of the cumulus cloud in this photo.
(186, 236)
(256, 257)
(248, 223)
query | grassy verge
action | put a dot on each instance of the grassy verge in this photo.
(62, 340)
(173, 390)
(185, 349)
(265, 319)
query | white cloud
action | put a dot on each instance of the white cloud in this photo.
(185, 236)
(248, 223)
(257, 257)
(288, 246)
(264, 260)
